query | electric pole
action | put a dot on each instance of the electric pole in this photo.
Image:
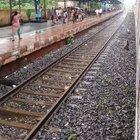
(10, 3)
(45, 9)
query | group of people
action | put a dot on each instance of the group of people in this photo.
(58, 15)
(65, 15)
(39, 14)
(98, 12)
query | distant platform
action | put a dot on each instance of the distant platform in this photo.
(37, 39)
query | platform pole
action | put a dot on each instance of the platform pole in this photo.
(64, 4)
(19, 1)
(45, 9)
(10, 3)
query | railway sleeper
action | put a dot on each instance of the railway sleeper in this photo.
(64, 76)
(78, 60)
(8, 116)
(46, 103)
(20, 112)
(42, 94)
(74, 63)
(53, 81)
(82, 57)
(17, 125)
(65, 71)
(70, 67)
(49, 86)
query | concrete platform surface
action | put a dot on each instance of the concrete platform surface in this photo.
(26, 27)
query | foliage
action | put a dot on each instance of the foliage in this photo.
(70, 39)
(50, 3)
(27, 4)
(115, 1)
(96, 5)
(92, 5)
(28, 13)
(24, 6)
(4, 5)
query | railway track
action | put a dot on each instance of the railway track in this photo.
(27, 107)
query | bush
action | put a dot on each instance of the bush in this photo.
(70, 39)
(28, 13)
(24, 6)
(4, 5)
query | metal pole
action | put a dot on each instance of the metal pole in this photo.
(35, 6)
(10, 3)
(89, 5)
(64, 4)
(45, 9)
(19, 5)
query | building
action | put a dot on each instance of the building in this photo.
(67, 3)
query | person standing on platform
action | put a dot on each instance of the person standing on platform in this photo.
(97, 12)
(53, 16)
(100, 12)
(58, 15)
(15, 20)
(75, 16)
(65, 17)
(39, 13)
(83, 15)
(72, 15)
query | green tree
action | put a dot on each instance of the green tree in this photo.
(4, 5)
(28, 13)
(26, 4)
(95, 5)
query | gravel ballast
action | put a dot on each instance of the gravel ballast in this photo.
(102, 107)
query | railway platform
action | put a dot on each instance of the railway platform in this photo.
(35, 40)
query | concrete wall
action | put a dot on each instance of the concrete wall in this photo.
(5, 16)
(68, 3)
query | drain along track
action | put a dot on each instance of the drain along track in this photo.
(33, 103)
